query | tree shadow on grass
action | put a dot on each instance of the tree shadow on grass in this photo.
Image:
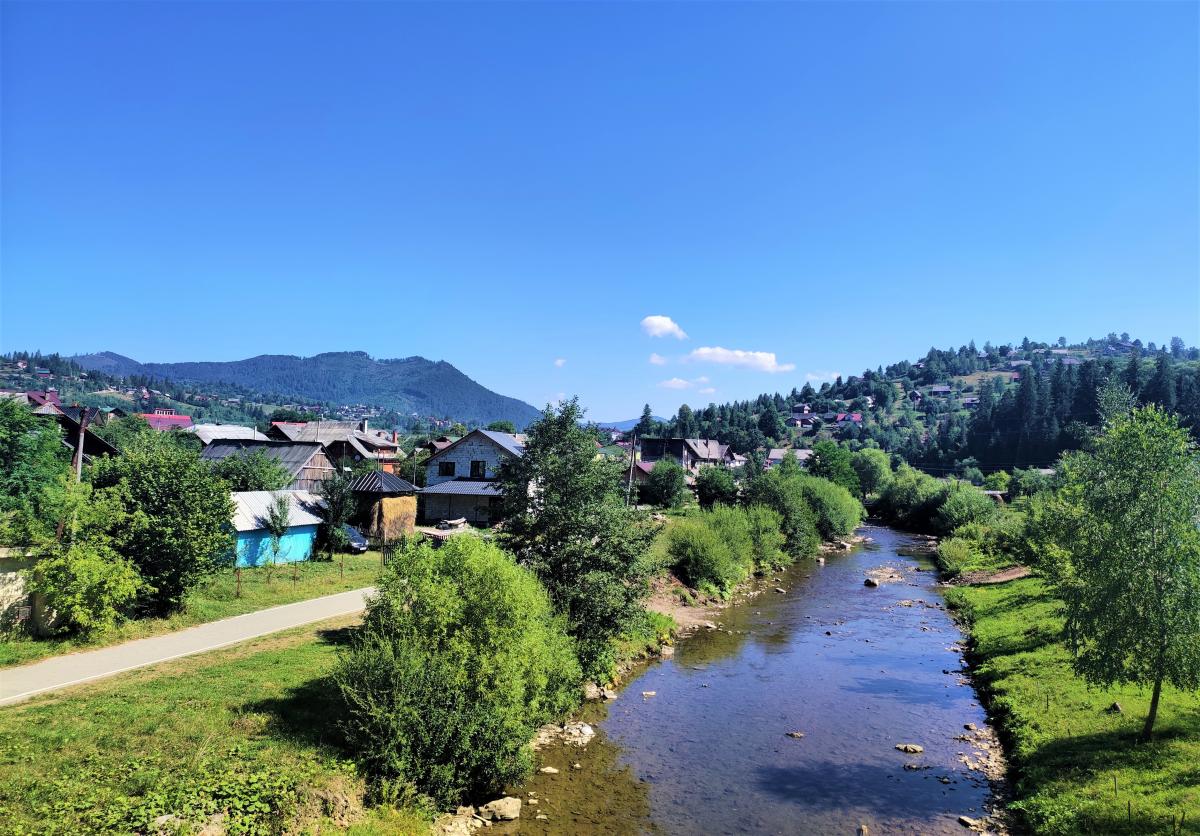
(310, 712)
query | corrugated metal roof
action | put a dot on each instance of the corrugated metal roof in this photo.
(506, 440)
(380, 481)
(208, 433)
(250, 508)
(292, 455)
(464, 487)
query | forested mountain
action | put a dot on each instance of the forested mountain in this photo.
(408, 385)
(960, 409)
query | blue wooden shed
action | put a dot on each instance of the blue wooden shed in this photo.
(254, 541)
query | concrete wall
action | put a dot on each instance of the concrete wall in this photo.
(437, 507)
(12, 588)
(478, 448)
(254, 547)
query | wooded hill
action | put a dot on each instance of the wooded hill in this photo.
(409, 385)
(998, 407)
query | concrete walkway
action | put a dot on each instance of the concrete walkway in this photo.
(17, 684)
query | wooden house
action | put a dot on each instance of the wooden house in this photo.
(305, 462)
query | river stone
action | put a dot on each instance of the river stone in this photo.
(969, 726)
(592, 691)
(870, 582)
(609, 693)
(910, 748)
(578, 734)
(796, 734)
(780, 590)
(666, 651)
(967, 821)
(649, 693)
(548, 770)
(502, 809)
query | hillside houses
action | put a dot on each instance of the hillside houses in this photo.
(253, 545)
(460, 479)
(776, 456)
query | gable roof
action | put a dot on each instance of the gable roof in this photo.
(167, 422)
(251, 508)
(208, 433)
(382, 482)
(509, 443)
(292, 455)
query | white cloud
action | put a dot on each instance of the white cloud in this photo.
(657, 359)
(676, 383)
(760, 361)
(813, 377)
(559, 362)
(701, 379)
(708, 390)
(663, 326)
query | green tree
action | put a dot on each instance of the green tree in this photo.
(338, 505)
(176, 525)
(785, 496)
(1125, 555)
(120, 432)
(666, 485)
(252, 471)
(459, 660)
(997, 481)
(834, 462)
(80, 577)
(564, 516)
(277, 522)
(34, 470)
(716, 485)
(502, 427)
(873, 468)
(770, 423)
(645, 425)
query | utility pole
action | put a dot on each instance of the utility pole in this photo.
(632, 459)
(84, 415)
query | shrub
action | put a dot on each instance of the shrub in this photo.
(962, 503)
(784, 495)
(88, 587)
(834, 462)
(912, 498)
(766, 538)
(666, 485)
(703, 556)
(460, 658)
(716, 485)
(956, 554)
(838, 513)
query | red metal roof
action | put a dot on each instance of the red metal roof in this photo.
(167, 422)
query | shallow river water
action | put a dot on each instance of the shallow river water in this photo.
(856, 669)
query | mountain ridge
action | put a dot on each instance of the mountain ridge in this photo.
(412, 384)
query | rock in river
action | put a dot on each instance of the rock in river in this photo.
(796, 734)
(910, 748)
(870, 582)
(502, 809)
(548, 770)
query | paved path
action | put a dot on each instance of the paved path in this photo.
(17, 684)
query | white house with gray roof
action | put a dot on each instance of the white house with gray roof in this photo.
(460, 480)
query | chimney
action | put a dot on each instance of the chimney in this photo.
(364, 425)
(395, 436)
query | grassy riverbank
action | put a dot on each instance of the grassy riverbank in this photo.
(1077, 767)
(248, 730)
(214, 599)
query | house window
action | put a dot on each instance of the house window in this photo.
(478, 470)
(445, 468)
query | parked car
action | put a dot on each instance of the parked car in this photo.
(355, 541)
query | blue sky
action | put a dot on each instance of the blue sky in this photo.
(514, 188)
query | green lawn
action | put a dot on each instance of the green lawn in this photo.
(1065, 749)
(250, 730)
(214, 599)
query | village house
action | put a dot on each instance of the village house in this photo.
(460, 478)
(691, 453)
(253, 546)
(345, 442)
(776, 456)
(849, 419)
(166, 419)
(940, 390)
(802, 422)
(208, 433)
(305, 462)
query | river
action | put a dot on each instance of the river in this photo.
(856, 669)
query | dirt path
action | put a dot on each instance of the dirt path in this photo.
(1012, 573)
